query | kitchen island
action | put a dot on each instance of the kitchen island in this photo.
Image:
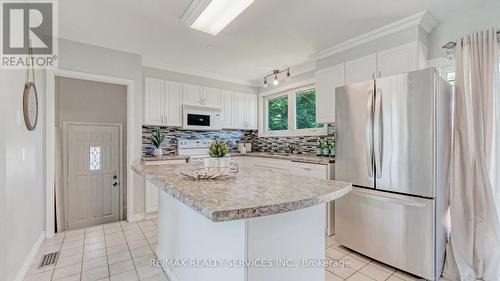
(253, 226)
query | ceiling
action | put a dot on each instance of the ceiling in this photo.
(269, 34)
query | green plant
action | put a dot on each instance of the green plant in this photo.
(218, 148)
(319, 143)
(158, 138)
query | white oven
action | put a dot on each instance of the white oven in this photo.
(201, 118)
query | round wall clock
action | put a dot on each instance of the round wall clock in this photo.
(30, 105)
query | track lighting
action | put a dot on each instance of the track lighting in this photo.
(276, 73)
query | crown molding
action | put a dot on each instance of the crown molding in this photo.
(150, 62)
(423, 19)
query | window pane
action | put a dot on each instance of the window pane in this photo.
(94, 158)
(450, 77)
(306, 110)
(277, 113)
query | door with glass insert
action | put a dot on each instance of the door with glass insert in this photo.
(92, 188)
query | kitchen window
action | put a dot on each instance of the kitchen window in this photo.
(291, 113)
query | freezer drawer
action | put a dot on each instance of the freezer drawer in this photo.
(395, 229)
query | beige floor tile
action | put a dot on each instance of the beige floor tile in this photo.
(116, 249)
(113, 242)
(66, 271)
(118, 257)
(63, 260)
(137, 252)
(359, 277)
(331, 277)
(45, 276)
(95, 239)
(95, 246)
(406, 276)
(120, 267)
(88, 255)
(353, 262)
(143, 260)
(394, 278)
(148, 271)
(342, 271)
(375, 272)
(335, 253)
(95, 263)
(75, 277)
(95, 274)
(130, 275)
(76, 237)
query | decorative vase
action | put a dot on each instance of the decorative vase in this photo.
(157, 152)
(217, 162)
(326, 151)
(332, 152)
(319, 152)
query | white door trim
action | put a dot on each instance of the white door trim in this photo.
(49, 121)
(66, 125)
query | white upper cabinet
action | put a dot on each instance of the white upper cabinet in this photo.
(193, 95)
(361, 69)
(326, 81)
(228, 110)
(154, 101)
(173, 103)
(212, 97)
(251, 112)
(397, 60)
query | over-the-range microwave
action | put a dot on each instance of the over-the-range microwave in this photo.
(201, 118)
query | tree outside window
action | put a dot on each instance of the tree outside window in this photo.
(305, 106)
(278, 113)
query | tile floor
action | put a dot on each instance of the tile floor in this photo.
(122, 251)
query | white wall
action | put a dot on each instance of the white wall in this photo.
(3, 201)
(24, 193)
(462, 24)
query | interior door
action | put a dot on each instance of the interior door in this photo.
(354, 134)
(403, 133)
(93, 155)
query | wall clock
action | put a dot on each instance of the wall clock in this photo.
(30, 105)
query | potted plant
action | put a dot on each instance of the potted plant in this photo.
(318, 148)
(332, 149)
(325, 148)
(158, 138)
(218, 150)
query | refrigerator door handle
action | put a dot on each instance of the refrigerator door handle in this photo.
(369, 133)
(378, 133)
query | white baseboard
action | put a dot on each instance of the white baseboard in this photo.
(149, 216)
(29, 259)
(136, 217)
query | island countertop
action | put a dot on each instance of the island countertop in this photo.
(251, 193)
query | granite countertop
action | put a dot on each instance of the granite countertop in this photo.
(165, 157)
(251, 193)
(306, 158)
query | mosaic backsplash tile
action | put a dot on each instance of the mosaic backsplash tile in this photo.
(303, 145)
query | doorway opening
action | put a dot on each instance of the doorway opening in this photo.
(90, 124)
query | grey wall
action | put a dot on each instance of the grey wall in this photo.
(196, 80)
(22, 191)
(108, 62)
(88, 101)
(461, 24)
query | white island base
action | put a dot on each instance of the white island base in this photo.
(186, 237)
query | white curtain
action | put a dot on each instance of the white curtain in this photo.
(474, 247)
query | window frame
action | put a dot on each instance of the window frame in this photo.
(292, 115)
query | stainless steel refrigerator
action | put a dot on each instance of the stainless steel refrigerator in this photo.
(393, 139)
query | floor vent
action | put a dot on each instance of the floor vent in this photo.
(49, 259)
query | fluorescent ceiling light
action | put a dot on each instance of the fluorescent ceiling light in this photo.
(213, 16)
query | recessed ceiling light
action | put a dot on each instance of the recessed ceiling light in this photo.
(211, 16)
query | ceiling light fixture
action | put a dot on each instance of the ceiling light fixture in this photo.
(276, 74)
(212, 16)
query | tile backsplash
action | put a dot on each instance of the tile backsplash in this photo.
(302, 144)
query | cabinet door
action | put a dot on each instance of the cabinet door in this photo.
(150, 198)
(251, 112)
(228, 110)
(173, 103)
(212, 97)
(398, 60)
(192, 94)
(240, 115)
(326, 81)
(361, 69)
(153, 101)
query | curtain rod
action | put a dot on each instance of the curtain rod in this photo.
(452, 44)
